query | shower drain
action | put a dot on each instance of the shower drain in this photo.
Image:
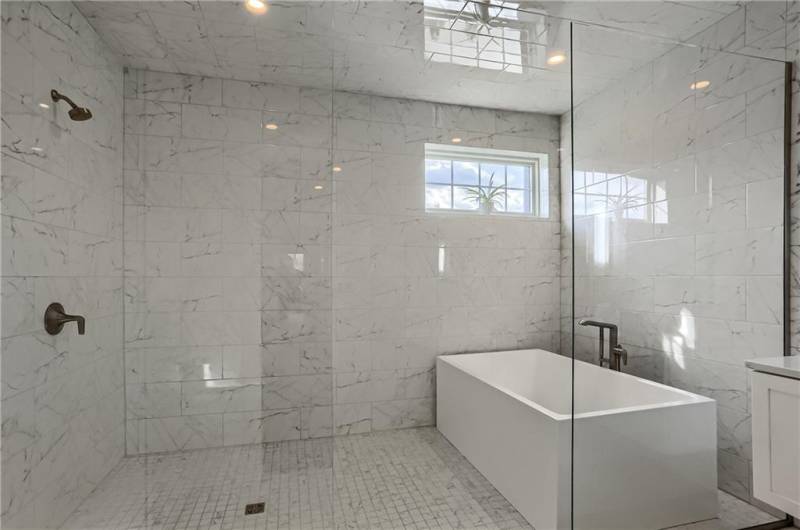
(253, 508)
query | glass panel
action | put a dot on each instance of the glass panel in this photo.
(415, 287)
(519, 201)
(493, 175)
(518, 177)
(438, 196)
(465, 173)
(438, 171)
(467, 197)
(671, 243)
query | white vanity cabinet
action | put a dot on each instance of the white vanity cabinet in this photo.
(775, 402)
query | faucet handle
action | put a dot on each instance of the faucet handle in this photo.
(621, 352)
(55, 318)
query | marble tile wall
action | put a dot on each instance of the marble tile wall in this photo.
(409, 285)
(678, 228)
(286, 282)
(62, 396)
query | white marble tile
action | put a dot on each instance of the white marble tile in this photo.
(179, 433)
(289, 391)
(262, 426)
(62, 396)
(220, 123)
(762, 197)
(403, 413)
(240, 94)
(219, 396)
(153, 365)
(724, 254)
(156, 118)
(765, 299)
(162, 86)
(702, 296)
(153, 400)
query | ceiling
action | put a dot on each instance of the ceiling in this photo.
(447, 51)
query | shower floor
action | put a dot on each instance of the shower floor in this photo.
(408, 478)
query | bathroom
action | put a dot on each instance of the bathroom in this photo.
(430, 264)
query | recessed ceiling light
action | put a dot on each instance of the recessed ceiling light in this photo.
(44, 105)
(700, 85)
(556, 58)
(318, 187)
(337, 169)
(37, 149)
(256, 7)
(271, 126)
(456, 140)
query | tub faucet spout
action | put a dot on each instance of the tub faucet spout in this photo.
(616, 352)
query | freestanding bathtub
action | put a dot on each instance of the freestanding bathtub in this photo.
(645, 454)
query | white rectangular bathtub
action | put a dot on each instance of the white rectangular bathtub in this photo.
(645, 454)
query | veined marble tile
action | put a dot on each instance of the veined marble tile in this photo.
(220, 123)
(161, 86)
(355, 418)
(151, 365)
(155, 118)
(240, 94)
(181, 154)
(153, 400)
(403, 413)
(179, 433)
(260, 427)
(724, 382)
(219, 396)
(702, 296)
(316, 422)
(724, 253)
(762, 196)
(290, 391)
(765, 299)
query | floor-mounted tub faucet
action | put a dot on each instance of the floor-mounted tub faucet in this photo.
(617, 353)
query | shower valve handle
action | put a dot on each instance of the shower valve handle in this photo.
(55, 318)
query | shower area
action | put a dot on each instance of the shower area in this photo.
(237, 236)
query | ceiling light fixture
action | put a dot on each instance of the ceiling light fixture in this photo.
(556, 58)
(318, 187)
(37, 149)
(44, 105)
(456, 140)
(700, 85)
(271, 126)
(256, 7)
(337, 169)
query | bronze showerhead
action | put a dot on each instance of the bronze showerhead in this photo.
(76, 113)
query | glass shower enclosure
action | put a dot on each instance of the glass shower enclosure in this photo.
(677, 254)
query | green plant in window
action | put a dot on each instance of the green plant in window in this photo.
(488, 198)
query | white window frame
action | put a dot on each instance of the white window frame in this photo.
(538, 163)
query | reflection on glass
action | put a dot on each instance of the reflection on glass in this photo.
(476, 35)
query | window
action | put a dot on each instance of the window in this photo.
(485, 181)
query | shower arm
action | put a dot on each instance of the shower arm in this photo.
(57, 96)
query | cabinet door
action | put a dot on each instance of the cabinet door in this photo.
(776, 441)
